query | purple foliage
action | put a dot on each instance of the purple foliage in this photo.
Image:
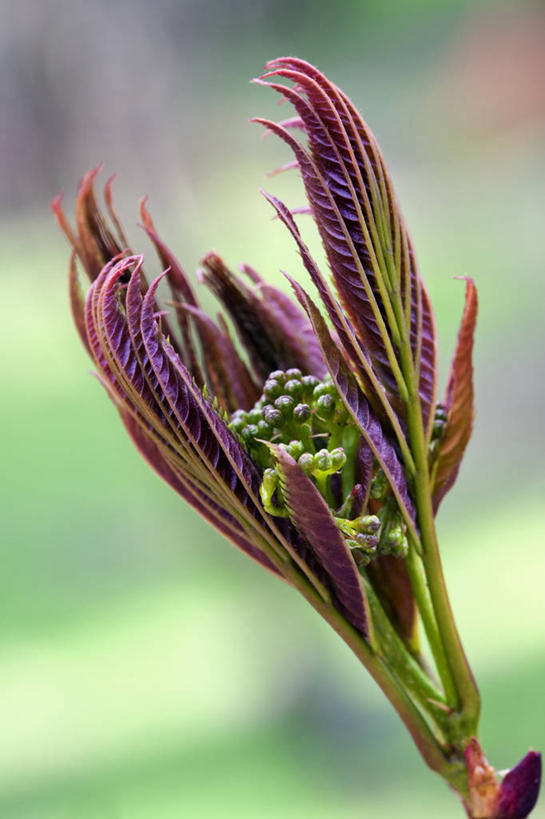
(313, 519)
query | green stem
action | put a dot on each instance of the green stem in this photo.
(451, 659)
(445, 643)
(424, 604)
(452, 770)
(407, 669)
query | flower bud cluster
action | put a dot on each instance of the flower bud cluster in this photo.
(306, 417)
(294, 409)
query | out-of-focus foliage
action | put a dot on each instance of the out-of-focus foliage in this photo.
(146, 669)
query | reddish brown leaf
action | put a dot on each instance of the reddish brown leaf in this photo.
(459, 401)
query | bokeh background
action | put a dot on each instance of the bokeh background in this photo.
(146, 668)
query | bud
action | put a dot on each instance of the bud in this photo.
(323, 461)
(367, 524)
(323, 388)
(293, 373)
(284, 404)
(255, 415)
(361, 558)
(249, 433)
(396, 542)
(306, 462)
(263, 429)
(295, 449)
(272, 388)
(301, 412)
(309, 382)
(238, 421)
(325, 405)
(338, 459)
(379, 486)
(293, 388)
(270, 487)
(271, 415)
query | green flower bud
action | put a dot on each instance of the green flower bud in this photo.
(394, 536)
(323, 461)
(325, 405)
(301, 412)
(284, 404)
(309, 382)
(367, 542)
(249, 433)
(306, 462)
(271, 415)
(296, 449)
(368, 524)
(272, 388)
(278, 375)
(254, 416)
(293, 372)
(293, 387)
(401, 548)
(324, 388)
(264, 430)
(238, 421)
(397, 542)
(338, 458)
(361, 558)
(379, 485)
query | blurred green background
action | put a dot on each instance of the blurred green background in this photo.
(146, 668)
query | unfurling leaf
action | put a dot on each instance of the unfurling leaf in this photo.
(361, 226)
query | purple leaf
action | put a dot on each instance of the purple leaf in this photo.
(181, 292)
(229, 379)
(428, 360)
(94, 243)
(292, 324)
(295, 330)
(391, 582)
(338, 319)
(312, 518)
(172, 425)
(273, 339)
(360, 411)
(363, 474)
(77, 302)
(362, 229)
(340, 184)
